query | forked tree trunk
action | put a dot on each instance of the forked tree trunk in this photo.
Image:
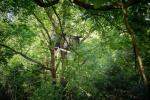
(136, 49)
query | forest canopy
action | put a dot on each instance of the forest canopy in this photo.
(74, 50)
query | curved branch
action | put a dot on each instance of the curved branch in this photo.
(58, 20)
(136, 49)
(23, 55)
(50, 17)
(115, 5)
(60, 24)
(48, 4)
(43, 26)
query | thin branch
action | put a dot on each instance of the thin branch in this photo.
(62, 32)
(87, 35)
(43, 35)
(23, 55)
(50, 18)
(58, 20)
(29, 49)
(45, 29)
(43, 38)
(83, 62)
(48, 4)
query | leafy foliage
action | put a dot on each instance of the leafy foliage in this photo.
(89, 51)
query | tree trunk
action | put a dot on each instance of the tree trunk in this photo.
(136, 49)
(53, 69)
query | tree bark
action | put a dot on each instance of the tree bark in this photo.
(136, 49)
(52, 63)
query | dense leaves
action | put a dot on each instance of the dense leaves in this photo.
(74, 50)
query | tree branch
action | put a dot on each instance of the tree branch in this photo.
(87, 35)
(58, 20)
(60, 24)
(115, 5)
(45, 29)
(48, 4)
(49, 14)
(23, 55)
(134, 44)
